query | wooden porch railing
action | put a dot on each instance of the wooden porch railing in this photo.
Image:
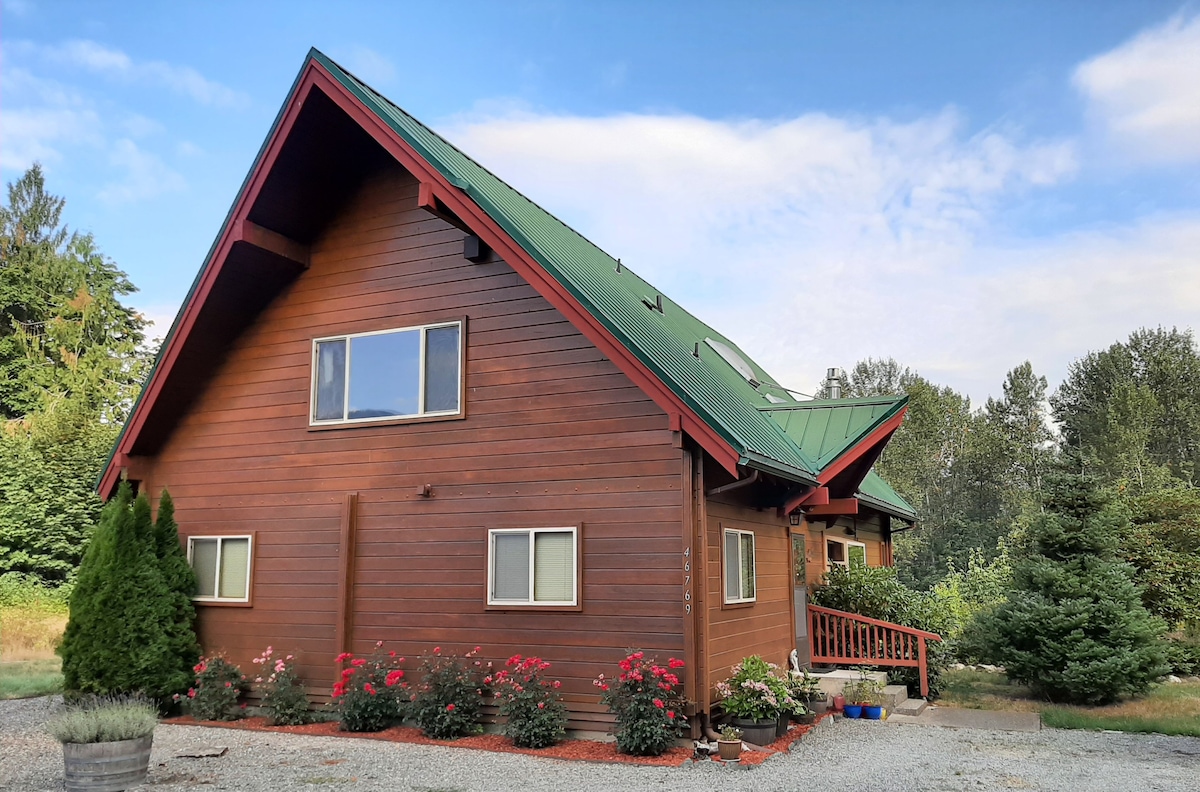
(845, 638)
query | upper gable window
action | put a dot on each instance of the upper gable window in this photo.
(405, 373)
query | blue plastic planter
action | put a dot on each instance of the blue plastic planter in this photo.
(872, 712)
(854, 710)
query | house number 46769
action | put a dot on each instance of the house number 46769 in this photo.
(687, 579)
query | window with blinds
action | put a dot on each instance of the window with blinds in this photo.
(739, 566)
(535, 566)
(222, 567)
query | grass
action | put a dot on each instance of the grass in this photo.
(30, 678)
(1167, 709)
(28, 637)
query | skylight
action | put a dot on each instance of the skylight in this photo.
(734, 359)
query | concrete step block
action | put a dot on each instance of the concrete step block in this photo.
(909, 707)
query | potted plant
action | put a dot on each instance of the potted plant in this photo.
(730, 743)
(806, 689)
(106, 742)
(752, 698)
(852, 694)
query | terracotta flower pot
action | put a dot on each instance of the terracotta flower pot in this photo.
(730, 750)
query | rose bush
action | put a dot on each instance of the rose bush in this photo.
(647, 701)
(283, 695)
(537, 717)
(214, 697)
(370, 696)
(447, 701)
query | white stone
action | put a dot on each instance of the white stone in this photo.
(1174, 680)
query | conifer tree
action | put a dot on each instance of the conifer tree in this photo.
(1074, 628)
(119, 635)
(180, 581)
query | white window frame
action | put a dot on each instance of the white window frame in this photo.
(531, 602)
(421, 413)
(217, 582)
(846, 545)
(725, 565)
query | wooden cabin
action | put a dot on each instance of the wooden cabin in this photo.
(402, 402)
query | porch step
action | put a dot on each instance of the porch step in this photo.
(909, 707)
(834, 681)
(893, 695)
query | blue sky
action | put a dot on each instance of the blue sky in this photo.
(960, 186)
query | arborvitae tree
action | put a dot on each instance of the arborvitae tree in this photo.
(181, 584)
(1074, 628)
(119, 635)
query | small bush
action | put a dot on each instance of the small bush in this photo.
(1183, 652)
(537, 717)
(755, 690)
(95, 719)
(369, 696)
(283, 695)
(447, 702)
(214, 697)
(647, 702)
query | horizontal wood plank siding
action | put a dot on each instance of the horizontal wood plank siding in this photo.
(764, 627)
(554, 435)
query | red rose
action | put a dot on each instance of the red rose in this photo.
(449, 708)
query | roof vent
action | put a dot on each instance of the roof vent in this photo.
(771, 397)
(734, 359)
(656, 305)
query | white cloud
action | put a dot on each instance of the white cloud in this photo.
(144, 175)
(41, 117)
(818, 241)
(113, 63)
(370, 66)
(1146, 92)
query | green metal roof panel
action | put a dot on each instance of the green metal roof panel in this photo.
(878, 493)
(665, 342)
(825, 429)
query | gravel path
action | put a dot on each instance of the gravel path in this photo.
(848, 755)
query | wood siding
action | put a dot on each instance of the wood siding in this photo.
(765, 626)
(553, 435)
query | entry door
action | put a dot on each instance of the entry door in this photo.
(800, 599)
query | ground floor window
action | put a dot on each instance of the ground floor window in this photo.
(533, 566)
(222, 567)
(739, 566)
(845, 552)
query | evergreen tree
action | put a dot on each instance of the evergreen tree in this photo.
(119, 634)
(1074, 628)
(180, 581)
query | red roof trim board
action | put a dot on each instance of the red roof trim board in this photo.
(313, 77)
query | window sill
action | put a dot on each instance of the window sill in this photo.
(738, 605)
(388, 422)
(222, 603)
(534, 608)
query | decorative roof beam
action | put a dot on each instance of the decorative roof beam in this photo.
(271, 241)
(837, 507)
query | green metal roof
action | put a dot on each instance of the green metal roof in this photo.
(825, 429)
(874, 491)
(673, 344)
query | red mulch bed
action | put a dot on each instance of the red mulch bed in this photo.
(576, 750)
(573, 750)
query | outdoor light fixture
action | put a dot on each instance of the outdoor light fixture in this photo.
(794, 518)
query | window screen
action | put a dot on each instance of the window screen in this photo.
(204, 563)
(235, 565)
(553, 567)
(510, 570)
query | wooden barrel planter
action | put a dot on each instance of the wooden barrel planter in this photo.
(107, 766)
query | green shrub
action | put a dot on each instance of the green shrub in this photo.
(122, 630)
(1183, 652)
(1073, 627)
(95, 719)
(647, 702)
(876, 592)
(19, 590)
(755, 690)
(283, 695)
(219, 684)
(180, 583)
(536, 715)
(369, 696)
(449, 697)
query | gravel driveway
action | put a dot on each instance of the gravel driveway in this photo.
(848, 755)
